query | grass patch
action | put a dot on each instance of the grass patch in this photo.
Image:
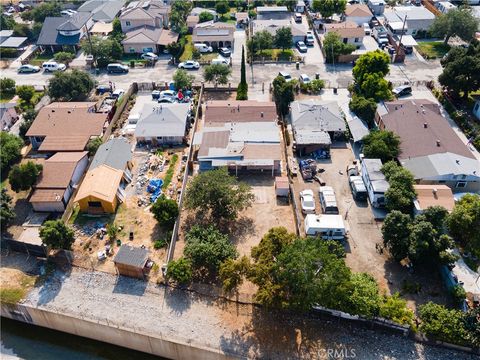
(6, 97)
(41, 58)
(170, 171)
(275, 54)
(127, 58)
(209, 57)
(12, 295)
(188, 49)
(432, 49)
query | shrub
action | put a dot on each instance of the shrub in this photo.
(180, 270)
(160, 244)
(458, 294)
(165, 211)
(316, 85)
(7, 86)
(364, 108)
(64, 57)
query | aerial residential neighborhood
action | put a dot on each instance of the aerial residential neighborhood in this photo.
(285, 179)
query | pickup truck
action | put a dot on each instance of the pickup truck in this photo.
(380, 34)
(358, 188)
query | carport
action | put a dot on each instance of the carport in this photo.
(307, 142)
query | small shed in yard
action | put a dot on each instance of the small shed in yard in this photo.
(282, 187)
(131, 261)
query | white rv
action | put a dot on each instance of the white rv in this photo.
(328, 227)
(375, 181)
(328, 201)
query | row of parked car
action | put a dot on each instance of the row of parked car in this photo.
(48, 66)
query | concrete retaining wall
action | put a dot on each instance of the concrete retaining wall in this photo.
(109, 333)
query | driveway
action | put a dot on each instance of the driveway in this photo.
(240, 39)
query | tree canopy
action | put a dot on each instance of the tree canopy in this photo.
(70, 85)
(10, 148)
(6, 22)
(364, 108)
(217, 73)
(283, 38)
(218, 193)
(64, 57)
(464, 222)
(178, 15)
(182, 79)
(22, 177)
(329, 7)
(461, 70)
(381, 144)
(334, 47)
(369, 73)
(103, 50)
(165, 211)
(42, 11)
(180, 270)
(7, 86)
(57, 235)
(205, 16)
(459, 22)
(26, 93)
(222, 7)
(283, 93)
(400, 194)
(242, 89)
(7, 214)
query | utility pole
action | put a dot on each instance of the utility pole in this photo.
(91, 47)
(401, 35)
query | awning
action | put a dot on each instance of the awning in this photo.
(408, 40)
(101, 28)
(358, 129)
(13, 42)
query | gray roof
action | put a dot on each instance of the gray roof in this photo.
(74, 22)
(358, 129)
(162, 120)
(442, 164)
(271, 9)
(115, 153)
(6, 33)
(377, 179)
(198, 10)
(133, 256)
(317, 116)
(50, 36)
(306, 137)
(13, 42)
(108, 11)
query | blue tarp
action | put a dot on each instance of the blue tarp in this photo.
(155, 188)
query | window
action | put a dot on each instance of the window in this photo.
(132, 50)
(127, 23)
(357, 39)
(442, 182)
(461, 184)
(95, 204)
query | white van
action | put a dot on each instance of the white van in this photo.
(221, 60)
(328, 202)
(203, 48)
(50, 66)
(328, 227)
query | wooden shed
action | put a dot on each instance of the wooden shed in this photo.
(131, 261)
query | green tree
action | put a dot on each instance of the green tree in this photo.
(196, 54)
(175, 49)
(464, 221)
(370, 63)
(283, 38)
(10, 147)
(165, 211)
(6, 22)
(459, 22)
(7, 86)
(329, 7)
(117, 32)
(396, 234)
(401, 193)
(205, 16)
(458, 294)
(178, 15)
(232, 272)
(182, 79)
(26, 93)
(22, 177)
(70, 86)
(364, 298)
(316, 85)
(334, 47)
(395, 309)
(180, 271)
(64, 57)
(222, 7)
(461, 70)
(376, 87)
(57, 235)
(437, 216)
(7, 214)
(218, 193)
(103, 50)
(28, 117)
(93, 145)
(242, 89)
(364, 108)
(217, 73)
(382, 144)
(472, 325)
(262, 40)
(283, 93)
(208, 248)
(443, 324)
(44, 10)
(24, 30)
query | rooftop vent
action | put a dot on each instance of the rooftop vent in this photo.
(425, 125)
(261, 114)
(438, 143)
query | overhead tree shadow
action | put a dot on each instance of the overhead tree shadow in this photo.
(178, 300)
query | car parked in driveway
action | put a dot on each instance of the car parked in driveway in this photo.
(301, 47)
(285, 75)
(304, 79)
(402, 91)
(307, 201)
(189, 64)
(225, 52)
(51, 66)
(150, 56)
(28, 69)
(309, 39)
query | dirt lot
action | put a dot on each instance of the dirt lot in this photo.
(365, 233)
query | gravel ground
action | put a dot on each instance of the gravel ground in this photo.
(241, 330)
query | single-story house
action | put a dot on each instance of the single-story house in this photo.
(163, 123)
(315, 124)
(273, 13)
(349, 32)
(8, 115)
(377, 6)
(112, 162)
(418, 18)
(66, 126)
(102, 10)
(148, 39)
(215, 34)
(241, 147)
(8, 41)
(220, 112)
(299, 31)
(65, 32)
(60, 175)
(430, 149)
(476, 107)
(153, 13)
(433, 195)
(131, 261)
(358, 13)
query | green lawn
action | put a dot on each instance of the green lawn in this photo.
(41, 58)
(432, 49)
(6, 97)
(188, 49)
(126, 58)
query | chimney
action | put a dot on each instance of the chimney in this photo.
(238, 107)
(425, 125)
(438, 143)
(434, 191)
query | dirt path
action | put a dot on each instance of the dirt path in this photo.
(240, 330)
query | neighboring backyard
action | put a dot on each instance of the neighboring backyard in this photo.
(432, 49)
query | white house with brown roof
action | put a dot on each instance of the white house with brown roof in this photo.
(66, 126)
(148, 39)
(358, 13)
(299, 31)
(60, 175)
(145, 13)
(215, 34)
(349, 32)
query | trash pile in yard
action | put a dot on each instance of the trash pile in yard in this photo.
(155, 188)
(90, 229)
(321, 154)
(148, 179)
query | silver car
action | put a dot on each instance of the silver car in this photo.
(189, 64)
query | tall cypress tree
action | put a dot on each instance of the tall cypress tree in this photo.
(242, 89)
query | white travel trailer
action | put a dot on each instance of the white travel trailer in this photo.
(328, 227)
(375, 181)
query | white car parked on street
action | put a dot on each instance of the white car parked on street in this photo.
(189, 64)
(149, 56)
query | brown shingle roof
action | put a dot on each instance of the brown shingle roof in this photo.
(434, 195)
(47, 195)
(358, 10)
(220, 112)
(420, 129)
(346, 29)
(213, 139)
(58, 170)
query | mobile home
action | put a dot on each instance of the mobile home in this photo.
(375, 181)
(328, 227)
